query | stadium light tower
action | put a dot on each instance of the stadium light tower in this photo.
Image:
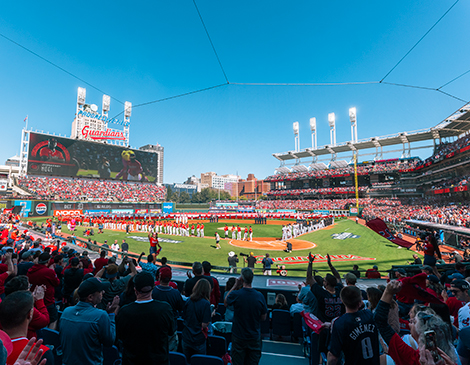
(332, 123)
(313, 129)
(106, 103)
(295, 125)
(353, 119)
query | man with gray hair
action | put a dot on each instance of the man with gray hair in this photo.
(198, 275)
(249, 310)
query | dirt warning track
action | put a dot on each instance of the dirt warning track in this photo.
(271, 244)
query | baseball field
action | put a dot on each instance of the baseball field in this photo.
(347, 243)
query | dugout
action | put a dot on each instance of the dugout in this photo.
(451, 235)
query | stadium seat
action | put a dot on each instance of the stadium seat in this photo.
(180, 341)
(206, 360)
(216, 346)
(297, 331)
(281, 323)
(265, 328)
(216, 317)
(179, 324)
(221, 309)
(51, 339)
(110, 355)
(177, 358)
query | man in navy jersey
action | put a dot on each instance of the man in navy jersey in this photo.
(354, 333)
(329, 301)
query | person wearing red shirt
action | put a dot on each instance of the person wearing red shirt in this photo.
(101, 261)
(398, 350)
(16, 312)
(459, 289)
(431, 248)
(250, 231)
(40, 274)
(226, 232)
(153, 239)
(373, 273)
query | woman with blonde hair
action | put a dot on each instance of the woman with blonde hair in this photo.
(197, 316)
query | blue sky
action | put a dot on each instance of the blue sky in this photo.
(144, 51)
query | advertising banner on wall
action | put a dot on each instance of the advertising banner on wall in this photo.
(68, 213)
(59, 156)
(168, 207)
(97, 212)
(123, 211)
(26, 204)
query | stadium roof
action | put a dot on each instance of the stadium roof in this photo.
(453, 126)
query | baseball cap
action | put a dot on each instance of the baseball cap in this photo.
(456, 275)
(92, 285)
(165, 272)
(460, 284)
(75, 261)
(111, 271)
(44, 258)
(433, 279)
(400, 270)
(350, 278)
(144, 282)
(375, 267)
(26, 254)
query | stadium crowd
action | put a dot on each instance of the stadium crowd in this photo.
(362, 169)
(446, 150)
(92, 189)
(324, 204)
(339, 190)
(437, 210)
(132, 310)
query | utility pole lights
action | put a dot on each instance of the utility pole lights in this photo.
(295, 125)
(353, 119)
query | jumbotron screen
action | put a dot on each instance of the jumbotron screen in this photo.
(58, 156)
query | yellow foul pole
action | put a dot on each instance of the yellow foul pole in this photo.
(355, 180)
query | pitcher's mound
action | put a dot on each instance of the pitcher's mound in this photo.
(271, 244)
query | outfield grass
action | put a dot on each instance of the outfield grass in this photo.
(369, 245)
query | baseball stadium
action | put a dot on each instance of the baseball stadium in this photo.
(354, 251)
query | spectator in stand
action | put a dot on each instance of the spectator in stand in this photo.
(348, 335)
(101, 261)
(40, 274)
(85, 329)
(249, 310)
(149, 266)
(229, 309)
(72, 279)
(281, 302)
(400, 352)
(117, 285)
(40, 315)
(373, 273)
(172, 296)
(459, 289)
(26, 263)
(145, 344)
(197, 316)
(16, 313)
(215, 292)
(356, 271)
(373, 298)
(198, 275)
